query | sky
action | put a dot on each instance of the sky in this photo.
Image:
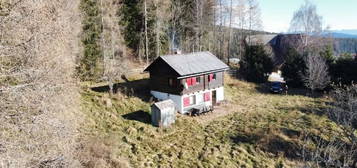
(337, 14)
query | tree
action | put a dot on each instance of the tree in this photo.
(344, 71)
(254, 18)
(293, 68)
(316, 75)
(256, 63)
(89, 64)
(112, 44)
(307, 22)
(146, 33)
(328, 54)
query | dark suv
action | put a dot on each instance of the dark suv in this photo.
(276, 87)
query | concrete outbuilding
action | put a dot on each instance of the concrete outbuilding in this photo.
(163, 113)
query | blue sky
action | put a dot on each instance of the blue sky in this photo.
(338, 14)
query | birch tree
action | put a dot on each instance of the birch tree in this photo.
(307, 22)
(254, 17)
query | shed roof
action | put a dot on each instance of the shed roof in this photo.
(164, 104)
(193, 63)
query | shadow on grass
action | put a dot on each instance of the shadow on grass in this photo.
(140, 116)
(137, 88)
(308, 109)
(269, 143)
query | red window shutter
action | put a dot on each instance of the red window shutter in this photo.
(186, 101)
(207, 96)
(193, 81)
(210, 77)
(188, 81)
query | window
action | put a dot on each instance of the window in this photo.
(212, 77)
(207, 96)
(191, 81)
(198, 79)
(171, 82)
(188, 101)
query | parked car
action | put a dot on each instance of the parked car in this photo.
(276, 87)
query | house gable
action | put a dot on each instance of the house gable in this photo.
(160, 68)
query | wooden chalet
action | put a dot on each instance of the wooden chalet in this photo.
(192, 81)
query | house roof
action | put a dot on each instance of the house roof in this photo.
(263, 39)
(193, 63)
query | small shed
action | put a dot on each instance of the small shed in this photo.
(163, 113)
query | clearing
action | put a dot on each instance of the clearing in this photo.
(254, 129)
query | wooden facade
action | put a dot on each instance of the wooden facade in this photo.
(193, 81)
(164, 79)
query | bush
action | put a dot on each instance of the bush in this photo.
(255, 64)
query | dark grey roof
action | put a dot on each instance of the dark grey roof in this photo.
(194, 63)
(263, 39)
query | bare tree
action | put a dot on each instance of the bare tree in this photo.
(307, 22)
(337, 151)
(333, 152)
(254, 17)
(113, 47)
(316, 75)
(241, 24)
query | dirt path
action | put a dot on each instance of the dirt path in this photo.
(218, 112)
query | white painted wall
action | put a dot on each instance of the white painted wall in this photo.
(178, 100)
(220, 94)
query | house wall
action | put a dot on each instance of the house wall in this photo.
(161, 84)
(178, 99)
(205, 84)
(220, 94)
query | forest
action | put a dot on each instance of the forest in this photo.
(73, 92)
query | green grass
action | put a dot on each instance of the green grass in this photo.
(265, 132)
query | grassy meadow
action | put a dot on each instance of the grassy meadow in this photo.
(259, 130)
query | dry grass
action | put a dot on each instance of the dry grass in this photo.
(265, 131)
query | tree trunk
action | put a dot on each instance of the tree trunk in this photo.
(146, 34)
(157, 29)
(230, 31)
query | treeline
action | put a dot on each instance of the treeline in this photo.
(151, 28)
(341, 69)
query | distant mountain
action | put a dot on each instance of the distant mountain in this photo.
(344, 33)
(350, 31)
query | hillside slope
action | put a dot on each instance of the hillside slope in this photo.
(39, 100)
(260, 130)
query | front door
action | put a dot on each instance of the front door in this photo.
(214, 97)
